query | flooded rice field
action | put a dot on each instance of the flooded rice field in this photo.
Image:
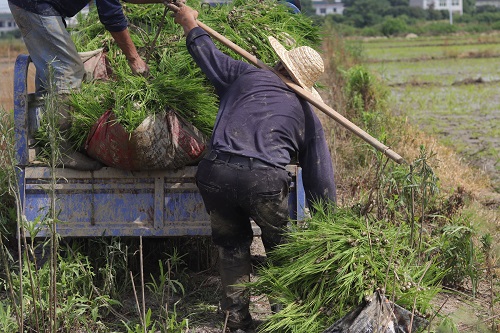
(449, 87)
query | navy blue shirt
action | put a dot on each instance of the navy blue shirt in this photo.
(260, 117)
(110, 11)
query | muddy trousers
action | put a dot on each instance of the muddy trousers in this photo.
(234, 194)
(234, 267)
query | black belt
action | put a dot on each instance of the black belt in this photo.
(243, 161)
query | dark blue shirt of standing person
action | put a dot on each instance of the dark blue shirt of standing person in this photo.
(110, 11)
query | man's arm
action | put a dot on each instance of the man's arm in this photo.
(111, 15)
(137, 65)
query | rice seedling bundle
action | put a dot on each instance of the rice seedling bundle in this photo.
(175, 81)
(339, 258)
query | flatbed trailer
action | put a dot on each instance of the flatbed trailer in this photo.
(110, 201)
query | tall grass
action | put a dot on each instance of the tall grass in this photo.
(439, 194)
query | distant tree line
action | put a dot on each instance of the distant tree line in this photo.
(392, 17)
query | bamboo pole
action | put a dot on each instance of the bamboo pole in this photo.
(307, 96)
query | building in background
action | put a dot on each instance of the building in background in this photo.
(325, 7)
(456, 6)
(7, 23)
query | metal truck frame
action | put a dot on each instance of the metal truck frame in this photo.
(109, 201)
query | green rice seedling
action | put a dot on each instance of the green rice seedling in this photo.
(427, 52)
(149, 326)
(175, 81)
(339, 257)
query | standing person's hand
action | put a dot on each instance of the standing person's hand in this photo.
(138, 66)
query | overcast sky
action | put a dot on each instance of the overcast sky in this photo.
(4, 7)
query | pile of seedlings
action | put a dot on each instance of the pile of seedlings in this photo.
(175, 81)
(337, 259)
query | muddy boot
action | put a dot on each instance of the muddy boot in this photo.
(235, 266)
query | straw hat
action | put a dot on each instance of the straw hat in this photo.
(303, 63)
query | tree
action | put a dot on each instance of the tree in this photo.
(402, 3)
(307, 7)
(364, 13)
(393, 26)
(469, 6)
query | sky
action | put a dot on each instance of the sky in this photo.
(4, 7)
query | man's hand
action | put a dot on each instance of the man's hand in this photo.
(139, 66)
(184, 15)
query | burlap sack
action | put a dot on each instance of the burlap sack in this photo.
(163, 141)
(378, 315)
(96, 65)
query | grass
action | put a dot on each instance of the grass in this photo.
(457, 39)
(12, 47)
(415, 50)
(453, 98)
(440, 72)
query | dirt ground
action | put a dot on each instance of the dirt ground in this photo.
(470, 314)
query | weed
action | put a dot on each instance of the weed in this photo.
(458, 255)
(148, 326)
(7, 321)
(447, 326)
(165, 285)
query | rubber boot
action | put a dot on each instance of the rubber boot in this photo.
(235, 266)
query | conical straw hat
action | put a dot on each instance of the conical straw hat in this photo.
(303, 63)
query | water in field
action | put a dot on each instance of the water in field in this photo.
(449, 87)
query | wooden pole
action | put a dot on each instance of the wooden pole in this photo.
(307, 96)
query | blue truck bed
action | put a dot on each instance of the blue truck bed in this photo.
(111, 202)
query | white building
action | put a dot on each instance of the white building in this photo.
(456, 6)
(325, 7)
(7, 23)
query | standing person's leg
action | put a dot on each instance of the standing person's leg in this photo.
(51, 48)
(232, 234)
(235, 267)
(268, 204)
(49, 43)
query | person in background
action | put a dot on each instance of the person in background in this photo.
(43, 27)
(261, 127)
(294, 5)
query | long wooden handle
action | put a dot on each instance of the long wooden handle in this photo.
(307, 96)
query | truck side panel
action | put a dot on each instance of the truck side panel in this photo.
(110, 202)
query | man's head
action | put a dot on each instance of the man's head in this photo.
(303, 64)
